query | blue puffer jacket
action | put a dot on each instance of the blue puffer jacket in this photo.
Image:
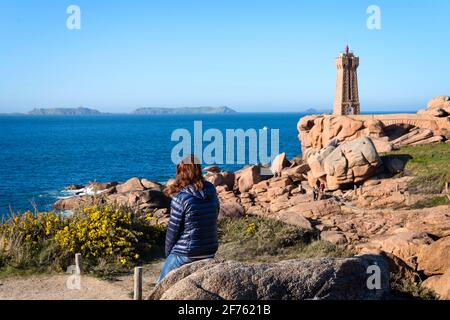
(192, 229)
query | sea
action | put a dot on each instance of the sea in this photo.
(41, 155)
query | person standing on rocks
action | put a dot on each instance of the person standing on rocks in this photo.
(192, 230)
(316, 190)
(322, 190)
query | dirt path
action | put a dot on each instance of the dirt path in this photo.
(57, 286)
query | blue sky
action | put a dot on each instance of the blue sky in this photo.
(249, 55)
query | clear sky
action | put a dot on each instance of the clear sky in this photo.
(249, 55)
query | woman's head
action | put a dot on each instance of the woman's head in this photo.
(189, 172)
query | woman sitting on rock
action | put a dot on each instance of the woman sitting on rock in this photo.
(192, 230)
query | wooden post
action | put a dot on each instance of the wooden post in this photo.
(138, 283)
(78, 265)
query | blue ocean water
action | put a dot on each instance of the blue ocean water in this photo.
(40, 156)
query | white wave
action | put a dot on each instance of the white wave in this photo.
(89, 191)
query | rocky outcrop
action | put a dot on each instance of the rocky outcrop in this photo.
(317, 131)
(246, 178)
(279, 163)
(231, 209)
(403, 243)
(344, 165)
(215, 178)
(386, 131)
(213, 169)
(439, 284)
(141, 195)
(293, 217)
(323, 279)
(134, 184)
(438, 107)
(381, 193)
(435, 258)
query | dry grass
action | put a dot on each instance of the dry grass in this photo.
(254, 239)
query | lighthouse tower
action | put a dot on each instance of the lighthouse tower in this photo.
(346, 101)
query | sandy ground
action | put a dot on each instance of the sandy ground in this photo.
(64, 287)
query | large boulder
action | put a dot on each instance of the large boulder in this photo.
(231, 209)
(435, 258)
(148, 184)
(382, 145)
(247, 177)
(433, 221)
(72, 203)
(152, 199)
(314, 209)
(351, 163)
(279, 163)
(133, 184)
(228, 179)
(334, 237)
(404, 244)
(316, 160)
(328, 278)
(100, 186)
(294, 218)
(215, 178)
(440, 102)
(296, 172)
(74, 187)
(439, 284)
(213, 169)
(317, 131)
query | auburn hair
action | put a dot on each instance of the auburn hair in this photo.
(188, 172)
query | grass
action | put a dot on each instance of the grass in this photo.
(431, 202)
(429, 165)
(254, 239)
(249, 239)
(406, 290)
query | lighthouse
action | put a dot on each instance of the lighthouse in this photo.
(346, 101)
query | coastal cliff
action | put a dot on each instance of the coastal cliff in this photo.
(387, 131)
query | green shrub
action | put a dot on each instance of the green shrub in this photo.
(106, 237)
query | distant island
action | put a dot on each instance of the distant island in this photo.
(316, 111)
(81, 111)
(64, 112)
(185, 110)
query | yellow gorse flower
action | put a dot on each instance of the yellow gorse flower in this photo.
(96, 232)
